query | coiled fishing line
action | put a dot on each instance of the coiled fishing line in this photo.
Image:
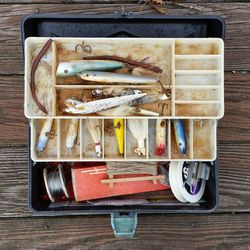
(177, 178)
(55, 182)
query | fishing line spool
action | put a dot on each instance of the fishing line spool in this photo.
(55, 183)
(188, 180)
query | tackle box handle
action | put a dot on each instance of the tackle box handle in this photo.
(124, 224)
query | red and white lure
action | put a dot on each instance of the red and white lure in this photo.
(160, 148)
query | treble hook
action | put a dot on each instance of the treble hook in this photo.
(163, 105)
(84, 48)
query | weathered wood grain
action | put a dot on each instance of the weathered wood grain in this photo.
(14, 126)
(237, 42)
(153, 232)
(167, 2)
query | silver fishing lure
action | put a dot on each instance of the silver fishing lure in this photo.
(72, 68)
(108, 77)
(77, 107)
(44, 134)
(72, 133)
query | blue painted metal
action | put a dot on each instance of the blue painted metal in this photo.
(124, 225)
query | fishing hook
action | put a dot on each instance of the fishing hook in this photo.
(84, 48)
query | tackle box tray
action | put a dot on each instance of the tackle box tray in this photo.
(127, 26)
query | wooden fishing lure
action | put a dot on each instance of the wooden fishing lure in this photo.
(44, 134)
(180, 136)
(119, 133)
(94, 128)
(72, 68)
(77, 107)
(113, 78)
(72, 133)
(160, 148)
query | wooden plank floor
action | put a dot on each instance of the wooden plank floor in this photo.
(228, 227)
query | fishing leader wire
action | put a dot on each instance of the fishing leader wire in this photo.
(54, 181)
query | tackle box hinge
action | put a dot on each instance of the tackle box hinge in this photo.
(124, 224)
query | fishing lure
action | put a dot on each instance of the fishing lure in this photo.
(112, 92)
(72, 68)
(125, 110)
(109, 77)
(138, 128)
(119, 133)
(180, 136)
(44, 134)
(37, 60)
(94, 128)
(76, 107)
(72, 133)
(160, 137)
(127, 61)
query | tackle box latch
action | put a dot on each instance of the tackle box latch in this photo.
(124, 224)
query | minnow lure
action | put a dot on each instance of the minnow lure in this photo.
(180, 136)
(77, 107)
(72, 68)
(160, 137)
(72, 133)
(108, 77)
(112, 92)
(44, 134)
(119, 133)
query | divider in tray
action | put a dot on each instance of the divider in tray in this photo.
(200, 141)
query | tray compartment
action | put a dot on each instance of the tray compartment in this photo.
(175, 153)
(52, 148)
(197, 80)
(194, 62)
(85, 93)
(197, 94)
(131, 145)
(152, 140)
(44, 79)
(185, 62)
(88, 145)
(84, 148)
(195, 47)
(204, 139)
(111, 150)
(199, 109)
(65, 153)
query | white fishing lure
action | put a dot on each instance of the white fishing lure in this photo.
(139, 129)
(44, 134)
(77, 107)
(72, 133)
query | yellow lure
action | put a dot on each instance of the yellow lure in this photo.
(119, 133)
